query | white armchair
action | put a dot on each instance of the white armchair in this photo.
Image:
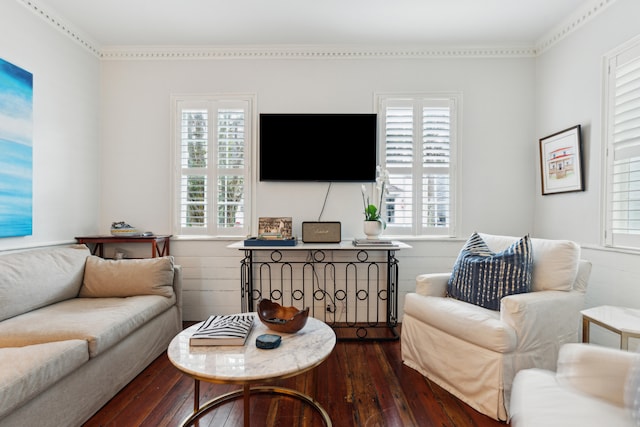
(587, 390)
(474, 352)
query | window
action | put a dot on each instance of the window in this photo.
(418, 148)
(212, 141)
(622, 135)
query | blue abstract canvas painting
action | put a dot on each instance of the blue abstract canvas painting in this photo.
(16, 151)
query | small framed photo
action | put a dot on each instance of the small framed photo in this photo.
(561, 162)
(274, 228)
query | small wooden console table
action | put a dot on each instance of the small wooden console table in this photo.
(159, 243)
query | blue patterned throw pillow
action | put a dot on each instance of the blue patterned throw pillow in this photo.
(482, 277)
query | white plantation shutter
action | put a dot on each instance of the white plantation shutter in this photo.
(213, 141)
(623, 148)
(231, 134)
(399, 153)
(417, 150)
(194, 148)
(436, 158)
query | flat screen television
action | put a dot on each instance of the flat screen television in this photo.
(318, 147)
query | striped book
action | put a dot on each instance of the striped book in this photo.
(231, 329)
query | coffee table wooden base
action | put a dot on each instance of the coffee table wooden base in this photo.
(246, 393)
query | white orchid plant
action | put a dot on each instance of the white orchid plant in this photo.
(371, 211)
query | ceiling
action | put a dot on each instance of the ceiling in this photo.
(311, 22)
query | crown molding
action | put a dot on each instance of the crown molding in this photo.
(308, 52)
(575, 21)
(63, 27)
(571, 24)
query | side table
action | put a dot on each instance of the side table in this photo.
(621, 320)
(159, 243)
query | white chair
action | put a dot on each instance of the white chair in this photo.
(587, 390)
(474, 352)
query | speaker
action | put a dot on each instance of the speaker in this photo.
(321, 232)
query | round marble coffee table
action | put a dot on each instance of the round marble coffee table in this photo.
(247, 365)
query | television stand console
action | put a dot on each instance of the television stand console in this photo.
(352, 289)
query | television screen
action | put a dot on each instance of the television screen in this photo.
(318, 147)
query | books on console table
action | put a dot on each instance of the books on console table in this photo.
(229, 329)
(374, 242)
(257, 241)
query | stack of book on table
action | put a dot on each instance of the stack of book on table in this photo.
(375, 242)
(229, 329)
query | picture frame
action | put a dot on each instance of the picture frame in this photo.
(561, 168)
(16, 148)
(275, 228)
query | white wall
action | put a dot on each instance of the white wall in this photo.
(569, 85)
(66, 171)
(497, 154)
(135, 122)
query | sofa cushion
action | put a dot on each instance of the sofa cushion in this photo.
(482, 277)
(102, 322)
(555, 262)
(538, 400)
(27, 371)
(36, 278)
(454, 317)
(127, 277)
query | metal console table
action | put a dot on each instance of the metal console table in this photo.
(354, 289)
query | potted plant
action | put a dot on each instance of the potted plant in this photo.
(374, 221)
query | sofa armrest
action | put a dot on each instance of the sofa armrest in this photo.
(177, 286)
(582, 278)
(598, 371)
(543, 319)
(432, 284)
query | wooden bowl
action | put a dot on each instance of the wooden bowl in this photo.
(282, 319)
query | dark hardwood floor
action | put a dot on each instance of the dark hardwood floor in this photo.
(360, 384)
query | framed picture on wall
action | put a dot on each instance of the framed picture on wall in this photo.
(561, 162)
(16, 151)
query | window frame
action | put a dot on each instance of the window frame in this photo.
(626, 53)
(212, 102)
(418, 100)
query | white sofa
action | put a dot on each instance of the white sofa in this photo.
(75, 329)
(587, 390)
(474, 352)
